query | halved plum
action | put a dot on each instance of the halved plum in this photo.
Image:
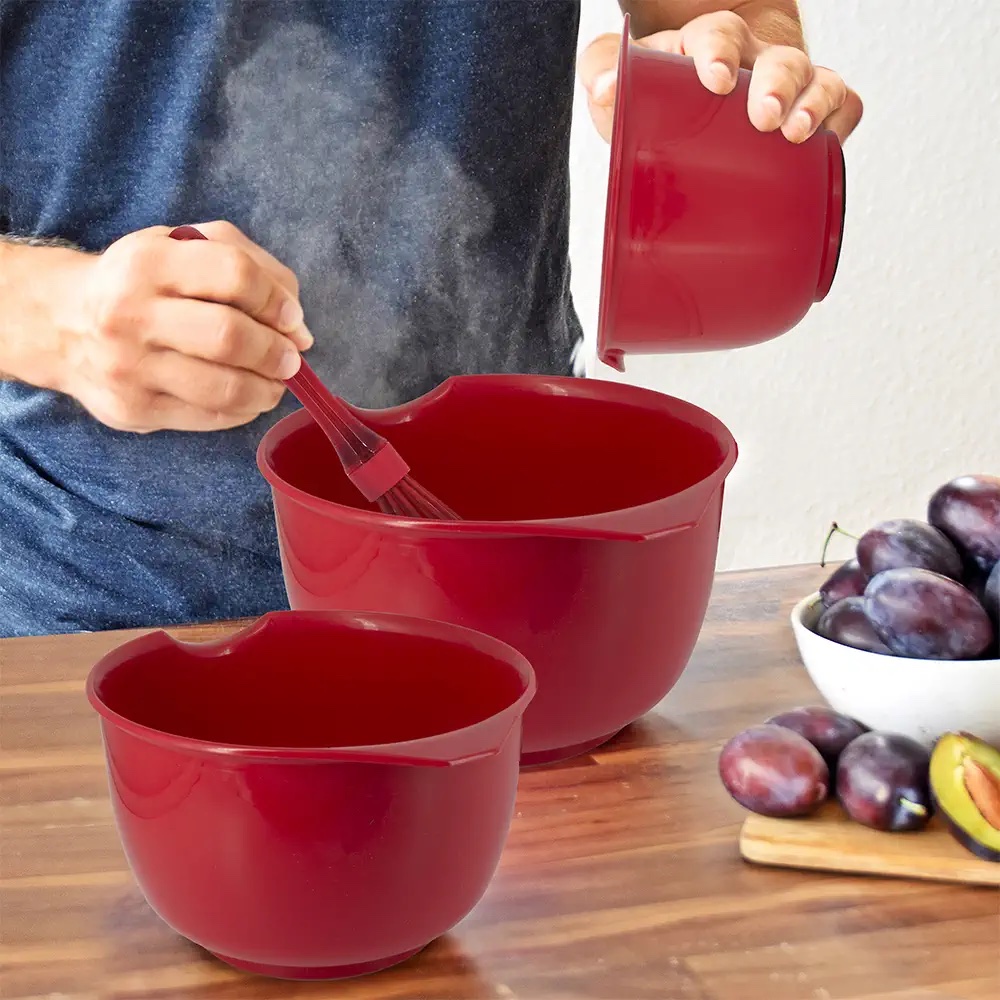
(965, 783)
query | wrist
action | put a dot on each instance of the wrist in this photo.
(40, 287)
(774, 22)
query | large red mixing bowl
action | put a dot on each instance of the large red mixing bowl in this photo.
(320, 796)
(716, 235)
(589, 542)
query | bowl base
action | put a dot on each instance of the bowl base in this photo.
(538, 758)
(316, 973)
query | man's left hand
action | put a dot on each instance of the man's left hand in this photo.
(786, 90)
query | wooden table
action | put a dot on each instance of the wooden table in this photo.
(622, 878)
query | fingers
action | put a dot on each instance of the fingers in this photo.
(221, 272)
(121, 377)
(168, 413)
(139, 410)
(144, 264)
(129, 318)
(786, 91)
(845, 119)
(226, 232)
(211, 387)
(780, 75)
(719, 44)
(184, 335)
(221, 334)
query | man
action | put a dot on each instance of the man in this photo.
(392, 176)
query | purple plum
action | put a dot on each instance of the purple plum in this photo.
(847, 580)
(991, 595)
(774, 771)
(924, 615)
(847, 623)
(828, 731)
(903, 542)
(967, 510)
(883, 781)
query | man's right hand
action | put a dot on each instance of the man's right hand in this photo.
(159, 334)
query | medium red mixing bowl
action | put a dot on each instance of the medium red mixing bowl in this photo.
(319, 796)
(716, 235)
(592, 521)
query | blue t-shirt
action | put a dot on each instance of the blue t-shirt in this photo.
(407, 158)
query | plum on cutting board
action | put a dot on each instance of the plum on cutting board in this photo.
(904, 542)
(927, 616)
(828, 731)
(883, 782)
(965, 784)
(847, 623)
(967, 510)
(848, 580)
(774, 771)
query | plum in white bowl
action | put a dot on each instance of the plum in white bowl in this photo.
(920, 698)
(904, 635)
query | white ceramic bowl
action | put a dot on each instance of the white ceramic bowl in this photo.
(921, 698)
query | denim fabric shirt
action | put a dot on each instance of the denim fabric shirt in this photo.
(407, 158)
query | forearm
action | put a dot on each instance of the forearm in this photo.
(774, 21)
(34, 275)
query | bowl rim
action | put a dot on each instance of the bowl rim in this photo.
(610, 392)
(611, 354)
(809, 602)
(486, 646)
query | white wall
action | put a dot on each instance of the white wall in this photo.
(892, 384)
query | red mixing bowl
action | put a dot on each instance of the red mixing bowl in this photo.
(716, 235)
(321, 795)
(591, 529)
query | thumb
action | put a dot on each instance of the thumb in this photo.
(598, 72)
(597, 68)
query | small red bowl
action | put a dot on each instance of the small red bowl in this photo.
(716, 235)
(321, 795)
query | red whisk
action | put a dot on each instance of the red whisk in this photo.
(372, 464)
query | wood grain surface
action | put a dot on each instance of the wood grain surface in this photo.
(622, 880)
(831, 841)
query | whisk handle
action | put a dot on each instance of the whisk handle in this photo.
(368, 459)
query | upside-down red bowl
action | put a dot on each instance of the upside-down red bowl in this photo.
(716, 235)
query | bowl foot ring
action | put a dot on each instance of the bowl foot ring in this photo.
(539, 758)
(317, 973)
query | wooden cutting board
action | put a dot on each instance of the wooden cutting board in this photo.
(830, 841)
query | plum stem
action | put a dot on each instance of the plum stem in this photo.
(834, 530)
(914, 807)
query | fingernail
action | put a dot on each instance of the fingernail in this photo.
(720, 72)
(773, 106)
(290, 316)
(802, 123)
(304, 337)
(290, 363)
(603, 83)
